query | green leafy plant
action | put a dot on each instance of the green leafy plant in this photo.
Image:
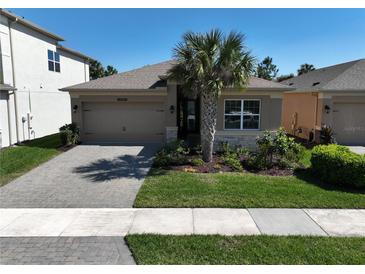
(66, 137)
(174, 153)
(326, 135)
(197, 162)
(256, 162)
(231, 156)
(338, 165)
(233, 161)
(277, 146)
(70, 134)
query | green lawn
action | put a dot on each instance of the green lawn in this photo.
(15, 161)
(241, 190)
(197, 249)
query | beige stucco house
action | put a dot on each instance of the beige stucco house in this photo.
(332, 96)
(143, 106)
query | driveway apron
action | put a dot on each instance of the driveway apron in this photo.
(87, 176)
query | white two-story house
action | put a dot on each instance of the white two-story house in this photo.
(33, 67)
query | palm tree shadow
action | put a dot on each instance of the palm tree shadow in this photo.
(124, 166)
(308, 176)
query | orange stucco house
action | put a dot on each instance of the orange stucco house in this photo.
(332, 96)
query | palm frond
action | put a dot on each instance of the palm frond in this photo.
(212, 61)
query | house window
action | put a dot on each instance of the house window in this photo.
(54, 61)
(242, 114)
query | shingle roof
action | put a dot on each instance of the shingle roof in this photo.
(29, 24)
(346, 76)
(6, 87)
(151, 77)
(74, 52)
(39, 29)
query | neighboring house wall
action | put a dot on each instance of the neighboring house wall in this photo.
(301, 113)
(305, 112)
(346, 116)
(37, 88)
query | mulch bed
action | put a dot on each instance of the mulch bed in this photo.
(276, 171)
(217, 166)
(65, 148)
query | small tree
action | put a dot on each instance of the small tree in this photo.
(266, 69)
(305, 68)
(96, 70)
(110, 70)
(284, 77)
(277, 144)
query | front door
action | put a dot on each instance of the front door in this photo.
(191, 119)
(188, 116)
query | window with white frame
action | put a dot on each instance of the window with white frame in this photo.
(54, 61)
(242, 114)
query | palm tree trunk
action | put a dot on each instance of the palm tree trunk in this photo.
(209, 103)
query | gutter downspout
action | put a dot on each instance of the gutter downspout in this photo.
(85, 70)
(9, 118)
(14, 82)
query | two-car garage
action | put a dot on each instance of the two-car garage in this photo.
(349, 123)
(123, 121)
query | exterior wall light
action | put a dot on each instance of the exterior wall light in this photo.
(74, 109)
(172, 109)
(327, 109)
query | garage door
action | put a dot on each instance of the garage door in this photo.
(123, 122)
(349, 123)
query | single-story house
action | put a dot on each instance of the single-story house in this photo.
(332, 96)
(143, 105)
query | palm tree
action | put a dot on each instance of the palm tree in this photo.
(207, 63)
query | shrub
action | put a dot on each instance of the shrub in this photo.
(178, 147)
(197, 150)
(233, 161)
(66, 137)
(70, 134)
(197, 162)
(280, 147)
(226, 148)
(326, 135)
(338, 165)
(256, 162)
(174, 153)
(231, 156)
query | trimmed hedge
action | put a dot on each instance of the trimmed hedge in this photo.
(338, 165)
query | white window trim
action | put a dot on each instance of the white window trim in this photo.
(54, 61)
(241, 114)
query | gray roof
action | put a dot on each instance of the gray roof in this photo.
(347, 76)
(152, 77)
(39, 29)
(74, 52)
(29, 24)
(6, 87)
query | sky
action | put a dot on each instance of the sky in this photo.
(131, 38)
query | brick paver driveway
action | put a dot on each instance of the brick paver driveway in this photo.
(87, 176)
(64, 250)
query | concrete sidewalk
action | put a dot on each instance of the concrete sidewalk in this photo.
(83, 222)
